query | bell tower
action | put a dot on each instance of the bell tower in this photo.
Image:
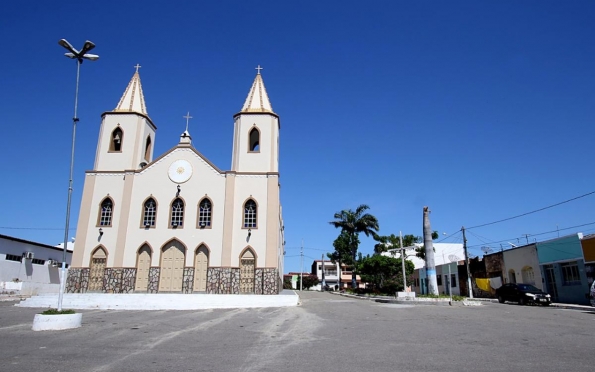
(256, 132)
(127, 134)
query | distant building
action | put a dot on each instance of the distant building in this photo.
(30, 268)
(331, 275)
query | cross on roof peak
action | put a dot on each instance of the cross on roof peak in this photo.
(187, 117)
(258, 69)
(137, 67)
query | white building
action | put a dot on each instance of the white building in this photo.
(176, 222)
(30, 268)
(442, 252)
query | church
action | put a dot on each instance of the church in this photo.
(176, 223)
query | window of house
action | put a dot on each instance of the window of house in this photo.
(177, 213)
(149, 213)
(13, 257)
(250, 214)
(116, 140)
(570, 275)
(204, 213)
(106, 212)
(37, 261)
(254, 140)
(453, 280)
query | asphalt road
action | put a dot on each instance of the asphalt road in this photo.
(327, 333)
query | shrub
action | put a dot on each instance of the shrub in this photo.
(56, 312)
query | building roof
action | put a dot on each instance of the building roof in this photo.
(70, 246)
(133, 99)
(258, 99)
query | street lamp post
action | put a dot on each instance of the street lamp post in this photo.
(79, 56)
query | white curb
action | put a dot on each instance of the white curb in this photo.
(57, 322)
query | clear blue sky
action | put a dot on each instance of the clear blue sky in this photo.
(480, 110)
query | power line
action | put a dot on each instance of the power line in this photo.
(535, 211)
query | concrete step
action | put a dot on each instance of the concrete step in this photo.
(160, 301)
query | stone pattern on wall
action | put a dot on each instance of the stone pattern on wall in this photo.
(153, 286)
(266, 281)
(188, 282)
(77, 280)
(223, 280)
(128, 280)
(112, 278)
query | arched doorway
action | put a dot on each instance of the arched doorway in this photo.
(171, 276)
(511, 276)
(201, 263)
(97, 269)
(143, 264)
(528, 275)
(247, 264)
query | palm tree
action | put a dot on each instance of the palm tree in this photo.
(354, 223)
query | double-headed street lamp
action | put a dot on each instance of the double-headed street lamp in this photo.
(80, 56)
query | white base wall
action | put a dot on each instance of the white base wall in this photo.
(145, 301)
(28, 288)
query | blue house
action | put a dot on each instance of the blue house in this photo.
(563, 269)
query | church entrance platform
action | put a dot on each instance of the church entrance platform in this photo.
(161, 301)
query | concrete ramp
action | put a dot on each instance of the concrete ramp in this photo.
(161, 301)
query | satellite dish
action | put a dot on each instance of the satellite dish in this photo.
(486, 250)
(453, 258)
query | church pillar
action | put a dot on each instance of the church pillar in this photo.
(120, 248)
(228, 219)
(83, 222)
(272, 221)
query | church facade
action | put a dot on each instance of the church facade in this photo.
(177, 223)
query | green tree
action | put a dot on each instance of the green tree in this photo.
(309, 281)
(342, 253)
(353, 223)
(391, 241)
(384, 272)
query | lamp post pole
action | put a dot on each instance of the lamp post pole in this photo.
(79, 56)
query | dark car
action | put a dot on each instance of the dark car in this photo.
(523, 294)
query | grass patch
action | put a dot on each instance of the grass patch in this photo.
(56, 312)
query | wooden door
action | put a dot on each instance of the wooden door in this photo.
(247, 273)
(172, 268)
(201, 263)
(143, 264)
(97, 269)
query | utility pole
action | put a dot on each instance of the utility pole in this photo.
(429, 248)
(301, 263)
(403, 261)
(470, 288)
(323, 282)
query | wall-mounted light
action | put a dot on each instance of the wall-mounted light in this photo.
(202, 225)
(174, 225)
(249, 232)
(179, 190)
(147, 225)
(100, 231)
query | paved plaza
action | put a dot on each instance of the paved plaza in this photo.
(327, 333)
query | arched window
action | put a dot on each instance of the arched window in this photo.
(116, 140)
(106, 212)
(177, 213)
(254, 140)
(205, 213)
(148, 148)
(250, 214)
(149, 213)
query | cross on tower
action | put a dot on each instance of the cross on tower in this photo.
(187, 117)
(258, 69)
(137, 67)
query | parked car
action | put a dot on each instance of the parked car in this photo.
(523, 294)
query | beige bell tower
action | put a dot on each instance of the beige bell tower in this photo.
(127, 134)
(256, 132)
